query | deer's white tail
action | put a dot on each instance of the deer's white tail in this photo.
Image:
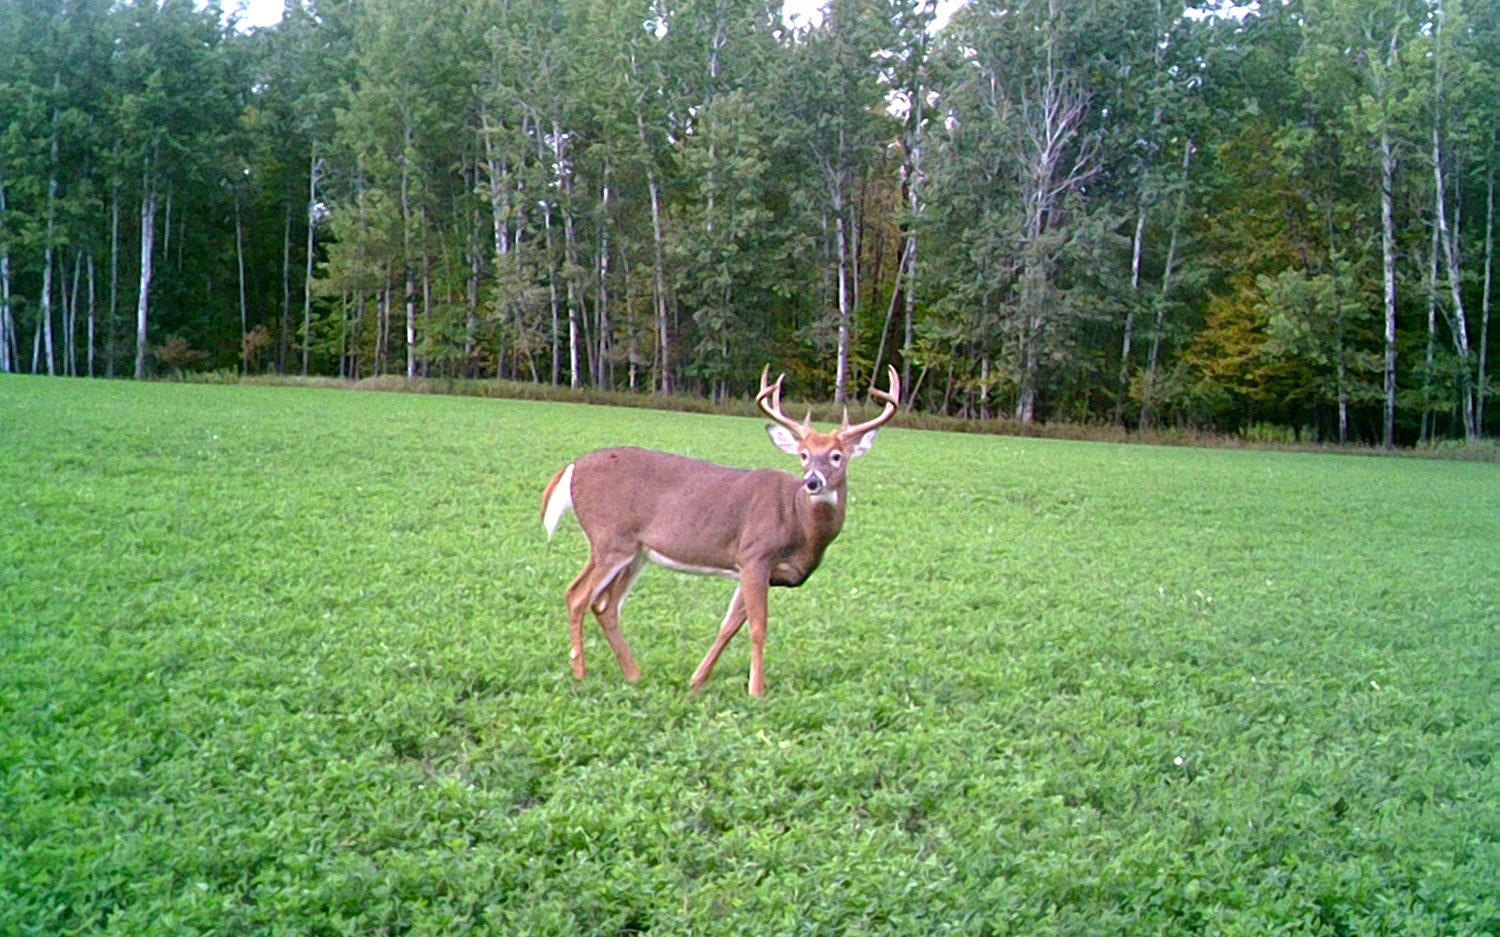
(557, 499)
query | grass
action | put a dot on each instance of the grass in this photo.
(282, 660)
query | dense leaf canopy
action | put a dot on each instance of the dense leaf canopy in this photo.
(1085, 210)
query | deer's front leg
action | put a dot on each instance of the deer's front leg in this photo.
(732, 622)
(755, 582)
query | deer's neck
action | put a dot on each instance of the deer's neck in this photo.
(823, 515)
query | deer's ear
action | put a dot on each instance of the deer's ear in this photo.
(783, 438)
(864, 444)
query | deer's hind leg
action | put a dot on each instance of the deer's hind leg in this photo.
(598, 577)
(606, 609)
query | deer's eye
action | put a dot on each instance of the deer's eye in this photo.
(837, 457)
(803, 453)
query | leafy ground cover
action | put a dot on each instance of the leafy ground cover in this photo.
(294, 661)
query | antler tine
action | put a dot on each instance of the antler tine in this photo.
(773, 409)
(891, 399)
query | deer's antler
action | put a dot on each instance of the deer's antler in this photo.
(891, 399)
(773, 409)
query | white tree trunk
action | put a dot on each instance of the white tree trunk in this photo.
(406, 222)
(92, 296)
(658, 271)
(111, 349)
(500, 213)
(1432, 293)
(1489, 266)
(411, 325)
(7, 340)
(1458, 322)
(239, 259)
(7, 323)
(601, 302)
(143, 300)
(570, 256)
(552, 295)
(841, 245)
(70, 347)
(312, 223)
(286, 290)
(44, 307)
(1388, 268)
(659, 281)
(1148, 399)
(1137, 245)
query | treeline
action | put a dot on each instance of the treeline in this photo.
(1122, 211)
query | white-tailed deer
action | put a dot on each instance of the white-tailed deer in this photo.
(760, 527)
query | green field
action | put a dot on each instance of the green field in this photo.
(284, 660)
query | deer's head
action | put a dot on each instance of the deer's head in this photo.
(824, 456)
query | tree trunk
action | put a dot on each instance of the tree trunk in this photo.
(410, 296)
(312, 223)
(984, 388)
(143, 296)
(7, 325)
(1388, 267)
(1432, 292)
(70, 346)
(601, 298)
(1137, 246)
(471, 284)
(1458, 323)
(286, 291)
(112, 346)
(890, 312)
(7, 340)
(658, 270)
(841, 376)
(1032, 279)
(907, 263)
(570, 259)
(383, 331)
(1148, 398)
(552, 295)
(1484, 307)
(1343, 383)
(499, 211)
(659, 280)
(91, 314)
(239, 259)
(166, 240)
(427, 309)
(44, 307)
(411, 324)
(911, 306)
(46, 297)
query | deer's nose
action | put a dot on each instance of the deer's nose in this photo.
(814, 482)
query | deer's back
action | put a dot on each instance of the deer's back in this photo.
(668, 501)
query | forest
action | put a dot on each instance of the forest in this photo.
(1277, 219)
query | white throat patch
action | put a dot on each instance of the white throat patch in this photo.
(828, 496)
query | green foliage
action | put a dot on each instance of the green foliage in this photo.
(661, 192)
(294, 661)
